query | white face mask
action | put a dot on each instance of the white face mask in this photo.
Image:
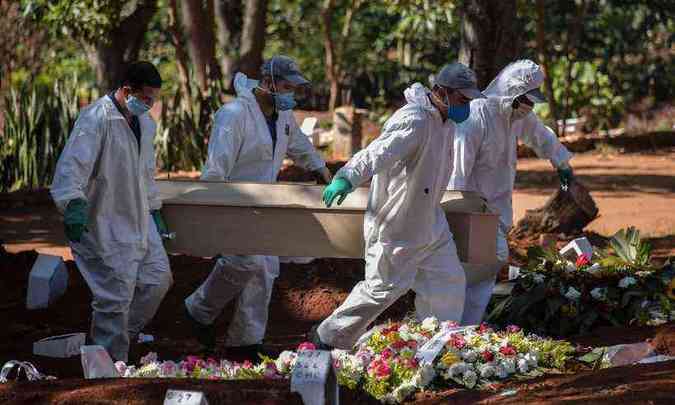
(520, 112)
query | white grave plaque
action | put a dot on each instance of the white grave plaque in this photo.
(314, 378)
(180, 397)
(576, 248)
(47, 281)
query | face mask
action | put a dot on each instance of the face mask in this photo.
(459, 113)
(520, 112)
(136, 107)
(284, 101)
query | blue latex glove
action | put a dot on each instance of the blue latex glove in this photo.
(566, 177)
(339, 187)
(75, 219)
(159, 222)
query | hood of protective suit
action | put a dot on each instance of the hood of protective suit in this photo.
(244, 86)
(516, 79)
(418, 94)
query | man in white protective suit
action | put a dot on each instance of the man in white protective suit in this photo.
(104, 184)
(250, 139)
(485, 156)
(408, 242)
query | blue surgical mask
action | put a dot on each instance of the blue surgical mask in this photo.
(459, 113)
(284, 101)
(136, 106)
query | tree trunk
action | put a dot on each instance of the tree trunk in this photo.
(229, 16)
(198, 22)
(489, 37)
(330, 54)
(253, 37)
(122, 46)
(544, 59)
(182, 59)
(566, 212)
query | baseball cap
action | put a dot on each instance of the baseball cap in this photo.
(459, 77)
(283, 67)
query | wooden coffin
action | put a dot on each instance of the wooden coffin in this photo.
(289, 219)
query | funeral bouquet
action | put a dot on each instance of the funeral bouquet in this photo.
(615, 286)
(397, 359)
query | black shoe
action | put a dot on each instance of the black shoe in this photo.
(313, 337)
(205, 334)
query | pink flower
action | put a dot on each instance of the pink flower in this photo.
(449, 324)
(513, 329)
(247, 364)
(387, 354)
(380, 369)
(149, 358)
(306, 346)
(412, 344)
(508, 351)
(583, 260)
(121, 367)
(457, 341)
(412, 363)
(168, 369)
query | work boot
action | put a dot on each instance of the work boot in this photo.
(205, 334)
(313, 337)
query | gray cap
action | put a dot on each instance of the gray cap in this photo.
(536, 96)
(283, 67)
(459, 77)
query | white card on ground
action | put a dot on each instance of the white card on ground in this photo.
(314, 379)
(181, 397)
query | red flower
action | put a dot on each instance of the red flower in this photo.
(487, 356)
(398, 345)
(380, 369)
(412, 363)
(583, 260)
(457, 341)
(508, 351)
(412, 344)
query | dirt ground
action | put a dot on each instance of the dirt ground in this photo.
(634, 189)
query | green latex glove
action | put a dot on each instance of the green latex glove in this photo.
(339, 187)
(159, 222)
(75, 219)
(566, 177)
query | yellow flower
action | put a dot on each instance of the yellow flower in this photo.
(569, 310)
(450, 358)
(670, 290)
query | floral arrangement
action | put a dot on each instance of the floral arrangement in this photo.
(614, 286)
(389, 363)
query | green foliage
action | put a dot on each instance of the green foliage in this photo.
(37, 123)
(556, 297)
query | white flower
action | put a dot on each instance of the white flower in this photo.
(509, 366)
(523, 366)
(487, 370)
(469, 356)
(121, 367)
(626, 282)
(405, 333)
(430, 324)
(469, 379)
(457, 369)
(570, 267)
(572, 294)
(538, 278)
(285, 361)
(130, 372)
(424, 375)
(403, 391)
(599, 293)
(532, 359)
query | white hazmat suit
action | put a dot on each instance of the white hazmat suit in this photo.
(408, 242)
(485, 157)
(240, 149)
(120, 256)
